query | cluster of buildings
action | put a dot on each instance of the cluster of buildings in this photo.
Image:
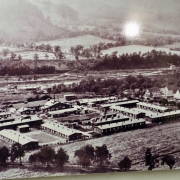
(115, 115)
(162, 93)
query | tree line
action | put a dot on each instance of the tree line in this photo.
(108, 86)
(86, 156)
(153, 59)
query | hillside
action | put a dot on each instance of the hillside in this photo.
(23, 21)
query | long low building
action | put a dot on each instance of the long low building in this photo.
(120, 126)
(109, 120)
(63, 112)
(128, 112)
(165, 117)
(124, 103)
(62, 131)
(12, 136)
(152, 107)
(34, 121)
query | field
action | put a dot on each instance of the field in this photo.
(44, 138)
(29, 55)
(136, 48)
(10, 48)
(162, 139)
(66, 43)
(175, 45)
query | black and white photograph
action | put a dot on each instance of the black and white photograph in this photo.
(89, 87)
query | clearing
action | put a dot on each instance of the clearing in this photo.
(66, 43)
(161, 139)
(136, 48)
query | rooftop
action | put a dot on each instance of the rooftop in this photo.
(113, 125)
(17, 137)
(60, 128)
(119, 103)
(153, 106)
(127, 110)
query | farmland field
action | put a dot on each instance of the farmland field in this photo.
(175, 45)
(29, 55)
(10, 48)
(137, 48)
(86, 41)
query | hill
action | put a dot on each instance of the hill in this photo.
(22, 21)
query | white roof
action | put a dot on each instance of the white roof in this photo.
(171, 113)
(117, 117)
(127, 110)
(20, 121)
(153, 106)
(23, 126)
(62, 111)
(93, 100)
(119, 103)
(17, 137)
(113, 125)
(60, 128)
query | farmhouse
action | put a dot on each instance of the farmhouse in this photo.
(32, 122)
(152, 107)
(119, 126)
(132, 113)
(166, 92)
(177, 95)
(62, 131)
(16, 137)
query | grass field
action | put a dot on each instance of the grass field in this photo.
(162, 139)
(137, 48)
(29, 55)
(86, 41)
(44, 137)
(175, 45)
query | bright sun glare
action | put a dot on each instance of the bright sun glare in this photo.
(131, 29)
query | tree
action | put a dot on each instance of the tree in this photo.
(58, 53)
(150, 160)
(36, 58)
(19, 57)
(125, 164)
(5, 52)
(34, 158)
(17, 151)
(47, 155)
(102, 156)
(169, 160)
(13, 56)
(85, 155)
(61, 158)
(4, 154)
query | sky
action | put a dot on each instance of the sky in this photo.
(172, 6)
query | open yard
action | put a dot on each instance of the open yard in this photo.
(136, 48)
(44, 138)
